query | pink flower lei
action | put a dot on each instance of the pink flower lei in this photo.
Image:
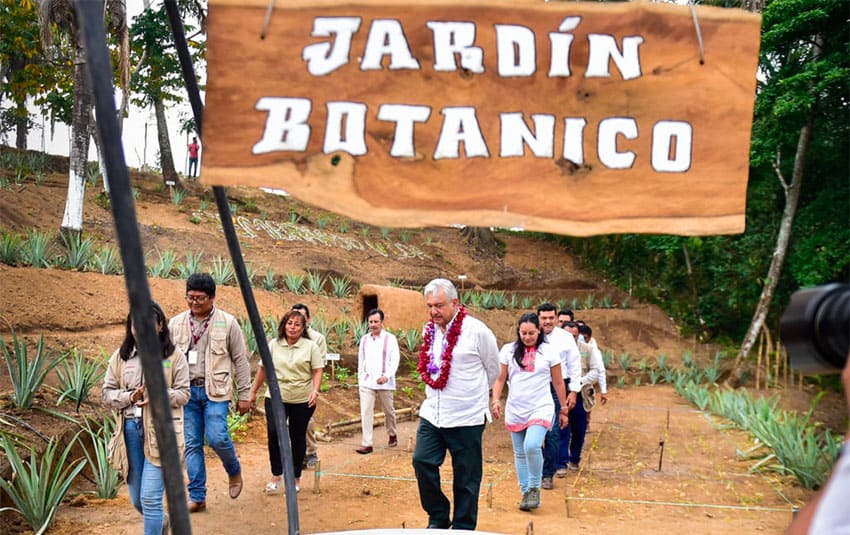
(427, 367)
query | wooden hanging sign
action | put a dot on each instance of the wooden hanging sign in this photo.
(566, 117)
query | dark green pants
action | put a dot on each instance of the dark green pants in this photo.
(464, 444)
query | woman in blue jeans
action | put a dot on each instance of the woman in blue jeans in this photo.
(529, 365)
(124, 390)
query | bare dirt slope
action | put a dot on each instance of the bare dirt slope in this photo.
(86, 310)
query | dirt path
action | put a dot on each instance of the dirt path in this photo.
(701, 489)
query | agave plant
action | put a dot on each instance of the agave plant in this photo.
(40, 485)
(222, 271)
(26, 375)
(36, 248)
(191, 266)
(98, 433)
(77, 377)
(10, 247)
(315, 283)
(294, 282)
(341, 286)
(164, 265)
(106, 260)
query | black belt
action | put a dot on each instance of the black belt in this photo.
(198, 382)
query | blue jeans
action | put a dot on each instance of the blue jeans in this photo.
(144, 479)
(528, 456)
(572, 436)
(553, 440)
(134, 438)
(205, 419)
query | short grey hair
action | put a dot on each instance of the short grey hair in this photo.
(444, 285)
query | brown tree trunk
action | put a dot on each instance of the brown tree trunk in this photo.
(792, 197)
(166, 159)
(482, 239)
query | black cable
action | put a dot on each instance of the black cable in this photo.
(99, 65)
(278, 411)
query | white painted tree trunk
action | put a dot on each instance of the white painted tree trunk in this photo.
(72, 220)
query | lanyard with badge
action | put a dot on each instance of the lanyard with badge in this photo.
(196, 335)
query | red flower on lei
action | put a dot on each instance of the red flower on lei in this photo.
(426, 352)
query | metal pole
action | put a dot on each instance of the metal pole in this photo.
(278, 411)
(99, 67)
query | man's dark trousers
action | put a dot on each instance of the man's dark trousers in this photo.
(553, 440)
(464, 444)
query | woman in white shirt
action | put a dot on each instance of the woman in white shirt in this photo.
(529, 365)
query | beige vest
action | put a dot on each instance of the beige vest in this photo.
(151, 448)
(218, 365)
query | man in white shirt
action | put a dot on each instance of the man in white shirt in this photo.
(459, 362)
(569, 456)
(377, 363)
(566, 347)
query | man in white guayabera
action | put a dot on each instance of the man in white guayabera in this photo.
(459, 362)
(377, 362)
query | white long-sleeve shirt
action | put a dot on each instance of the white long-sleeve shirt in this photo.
(565, 345)
(592, 366)
(475, 367)
(378, 356)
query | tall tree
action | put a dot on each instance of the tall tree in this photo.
(58, 19)
(159, 80)
(805, 66)
(24, 71)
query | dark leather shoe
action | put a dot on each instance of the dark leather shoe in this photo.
(364, 450)
(197, 507)
(393, 441)
(235, 485)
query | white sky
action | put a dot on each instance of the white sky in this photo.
(136, 151)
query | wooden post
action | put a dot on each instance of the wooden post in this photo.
(758, 361)
(490, 495)
(317, 476)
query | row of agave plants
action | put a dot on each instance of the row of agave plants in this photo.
(41, 481)
(785, 441)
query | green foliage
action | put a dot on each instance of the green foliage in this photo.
(92, 173)
(315, 283)
(26, 375)
(237, 425)
(77, 375)
(411, 340)
(294, 282)
(11, 247)
(106, 260)
(270, 280)
(625, 361)
(358, 329)
(340, 330)
(342, 374)
(191, 265)
(38, 488)
(662, 361)
(164, 266)
(177, 196)
(98, 433)
(654, 375)
(222, 271)
(78, 251)
(527, 303)
(37, 248)
(341, 286)
(322, 221)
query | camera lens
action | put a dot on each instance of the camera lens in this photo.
(815, 328)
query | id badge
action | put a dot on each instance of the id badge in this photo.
(137, 412)
(193, 356)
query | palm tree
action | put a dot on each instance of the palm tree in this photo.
(58, 21)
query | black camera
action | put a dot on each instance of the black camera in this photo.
(815, 328)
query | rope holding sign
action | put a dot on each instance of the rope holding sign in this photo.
(699, 33)
(267, 19)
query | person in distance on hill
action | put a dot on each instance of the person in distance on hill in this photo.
(312, 455)
(565, 346)
(529, 365)
(134, 448)
(377, 362)
(213, 343)
(298, 369)
(459, 362)
(193, 157)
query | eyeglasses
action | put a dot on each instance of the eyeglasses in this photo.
(197, 298)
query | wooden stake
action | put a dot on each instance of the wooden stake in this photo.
(317, 476)
(758, 361)
(490, 495)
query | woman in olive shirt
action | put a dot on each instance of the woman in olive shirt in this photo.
(298, 368)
